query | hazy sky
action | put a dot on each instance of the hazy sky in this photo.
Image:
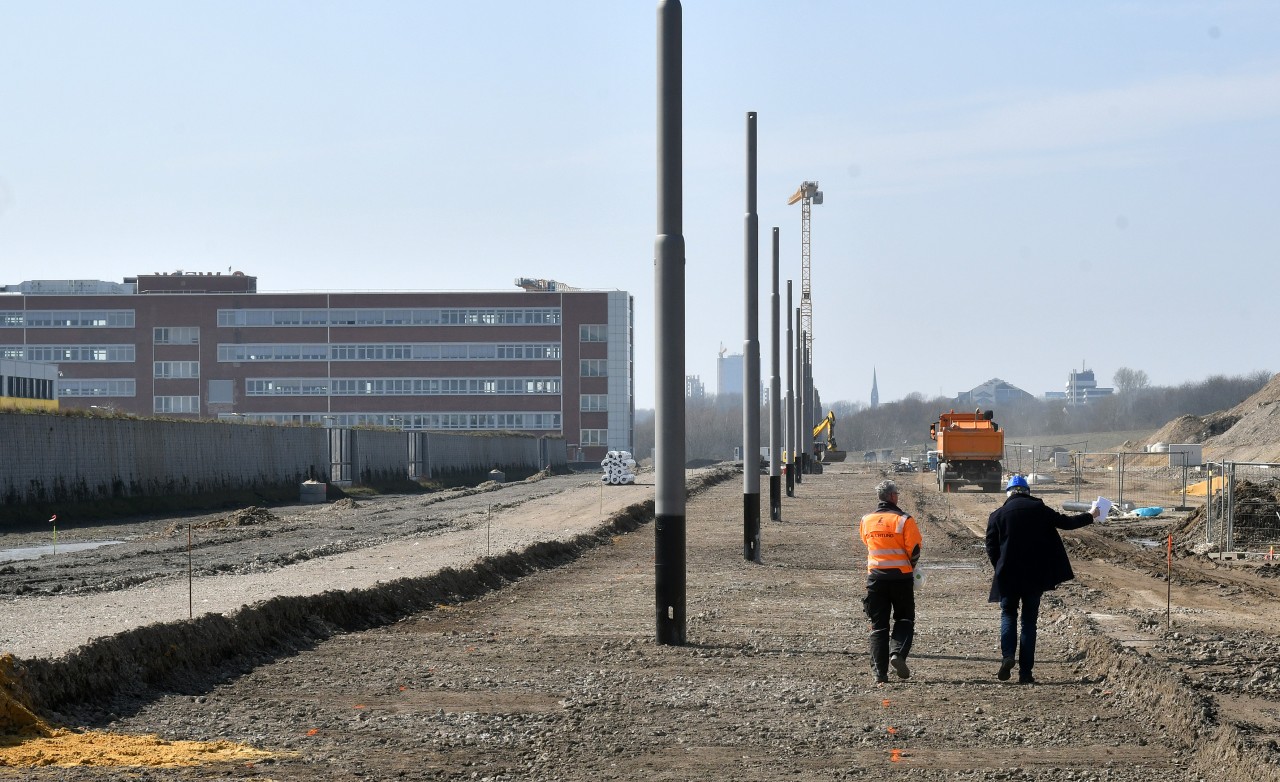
(1011, 190)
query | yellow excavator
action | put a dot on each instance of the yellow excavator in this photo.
(827, 451)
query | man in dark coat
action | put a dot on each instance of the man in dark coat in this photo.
(1029, 559)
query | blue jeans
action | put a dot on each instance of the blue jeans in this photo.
(1010, 640)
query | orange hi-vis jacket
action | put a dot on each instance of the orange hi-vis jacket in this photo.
(892, 540)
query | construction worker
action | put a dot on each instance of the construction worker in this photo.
(1028, 556)
(893, 548)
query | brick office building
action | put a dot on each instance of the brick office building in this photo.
(545, 360)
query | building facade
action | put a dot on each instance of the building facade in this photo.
(993, 393)
(1082, 388)
(544, 360)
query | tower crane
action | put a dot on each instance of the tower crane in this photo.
(807, 195)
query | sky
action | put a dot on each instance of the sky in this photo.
(1011, 190)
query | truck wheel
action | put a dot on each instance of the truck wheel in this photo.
(942, 479)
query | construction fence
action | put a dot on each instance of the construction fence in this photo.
(1239, 502)
(1243, 514)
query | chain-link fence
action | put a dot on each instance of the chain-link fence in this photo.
(1244, 512)
(1130, 480)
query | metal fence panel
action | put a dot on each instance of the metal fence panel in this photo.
(1250, 521)
(1130, 480)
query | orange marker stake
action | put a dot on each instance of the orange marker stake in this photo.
(895, 755)
(885, 703)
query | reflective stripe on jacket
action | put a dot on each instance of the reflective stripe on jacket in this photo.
(891, 538)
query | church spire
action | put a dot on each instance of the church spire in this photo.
(875, 390)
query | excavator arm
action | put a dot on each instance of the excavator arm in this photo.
(828, 425)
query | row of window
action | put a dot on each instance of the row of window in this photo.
(430, 316)
(408, 386)
(163, 369)
(176, 404)
(429, 421)
(62, 354)
(413, 351)
(96, 387)
(190, 335)
(70, 319)
(20, 387)
(593, 332)
(593, 437)
(176, 335)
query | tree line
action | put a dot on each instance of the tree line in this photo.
(713, 424)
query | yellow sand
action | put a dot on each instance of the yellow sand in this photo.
(1202, 488)
(27, 741)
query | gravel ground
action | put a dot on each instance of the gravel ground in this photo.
(554, 674)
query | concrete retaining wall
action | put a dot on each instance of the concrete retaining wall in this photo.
(58, 458)
(68, 459)
(440, 455)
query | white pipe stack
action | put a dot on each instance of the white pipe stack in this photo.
(619, 468)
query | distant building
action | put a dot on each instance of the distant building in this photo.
(875, 390)
(729, 374)
(1082, 388)
(993, 393)
(546, 360)
(694, 387)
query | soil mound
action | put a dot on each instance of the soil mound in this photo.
(245, 517)
(1248, 432)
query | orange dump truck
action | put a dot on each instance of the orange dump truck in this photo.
(970, 447)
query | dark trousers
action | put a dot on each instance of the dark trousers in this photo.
(1010, 639)
(884, 597)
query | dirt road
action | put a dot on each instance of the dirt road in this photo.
(555, 675)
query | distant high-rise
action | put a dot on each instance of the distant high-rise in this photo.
(694, 387)
(875, 390)
(1082, 388)
(729, 374)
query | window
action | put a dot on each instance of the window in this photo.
(73, 319)
(176, 335)
(593, 332)
(177, 369)
(593, 367)
(221, 392)
(432, 316)
(96, 387)
(593, 437)
(79, 353)
(177, 404)
(594, 403)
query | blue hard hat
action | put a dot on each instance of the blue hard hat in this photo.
(1017, 482)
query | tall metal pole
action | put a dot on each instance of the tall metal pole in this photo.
(791, 403)
(797, 456)
(751, 364)
(669, 421)
(807, 429)
(775, 397)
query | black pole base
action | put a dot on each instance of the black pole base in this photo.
(775, 498)
(669, 578)
(791, 481)
(751, 527)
